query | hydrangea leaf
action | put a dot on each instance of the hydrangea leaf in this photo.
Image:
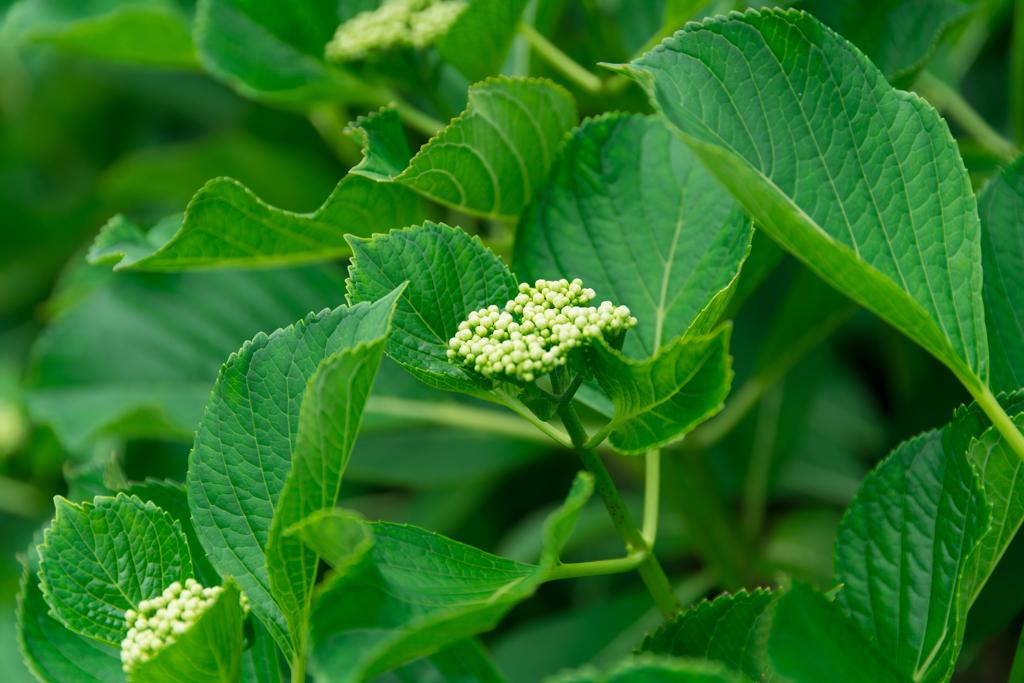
(733, 630)
(54, 653)
(273, 51)
(227, 226)
(860, 181)
(100, 559)
(630, 210)
(415, 592)
(902, 549)
(464, 662)
(660, 399)
(153, 32)
(329, 420)
(210, 651)
(653, 669)
(812, 640)
(385, 148)
(492, 159)
(898, 36)
(153, 377)
(244, 444)
(1001, 207)
(479, 40)
(450, 274)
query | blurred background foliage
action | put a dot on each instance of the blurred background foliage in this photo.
(105, 108)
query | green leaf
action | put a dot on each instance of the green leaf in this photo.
(385, 148)
(227, 226)
(450, 274)
(661, 399)
(210, 651)
(862, 182)
(813, 641)
(244, 444)
(479, 40)
(495, 156)
(652, 669)
(630, 210)
(732, 630)
(172, 499)
(153, 32)
(415, 592)
(464, 662)
(898, 36)
(329, 419)
(54, 653)
(100, 559)
(902, 549)
(153, 377)
(1001, 207)
(273, 51)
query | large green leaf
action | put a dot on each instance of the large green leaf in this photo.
(733, 630)
(902, 549)
(898, 36)
(450, 274)
(154, 376)
(244, 444)
(227, 226)
(54, 653)
(329, 420)
(210, 651)
(273, 51)
(100, 559)
(478, 41)
(493, 158)
(1001, 207)
(660, 399)
(813, 641)
(153, 32)
(653, 669)
(414, 592)
(862, 182)
(630, 210)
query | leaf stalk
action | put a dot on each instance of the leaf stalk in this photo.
(950, 102)
(561, 61)
(1001, 420)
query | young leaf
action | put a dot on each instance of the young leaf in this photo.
(812, 641)
(385, 148)
(227, 226)
(492, 159)
(210, 651)
(450, 274)
(478, 41)
(244, 444)
(732, 630)
(153, 377)
(660, 399)
(415, 592)
(898, 36)
(629, 207)
(862, 182)
(902, 549)
(154, 33)
(54, 653)
(329, 419)
(100, 559)
(652, 669)
(1001, 207)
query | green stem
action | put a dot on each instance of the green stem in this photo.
(416, 119)
(755, 489)
(1017, 71)
(1000, 420)
(652, 495)
(597, 568)
(299, 667)
(738, 407)
(561, 61)
(515, 404)
(328, 122)
(948, 101)
(456, 415)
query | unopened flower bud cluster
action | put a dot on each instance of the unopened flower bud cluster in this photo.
(396, 23)
(161, 621)
(536, 331)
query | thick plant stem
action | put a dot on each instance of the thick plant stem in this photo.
(1001, 420)
(652, 495)
(299, 667)
(561, 61)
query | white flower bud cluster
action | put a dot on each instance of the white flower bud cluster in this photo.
(396, 23)
(161, 621)
(536, 331)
